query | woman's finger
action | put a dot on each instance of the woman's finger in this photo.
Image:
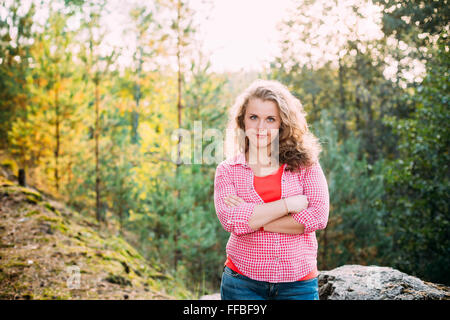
(239, 199)
(228, 202)
(231, 201)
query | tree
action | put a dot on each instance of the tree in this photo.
(408, 19)
(331, 63)
(149, 44)
(97, 64)
(418, 181)
(355, 230)
(15, 41)
(179, 36)
(54, 80)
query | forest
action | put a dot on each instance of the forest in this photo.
(97, 124)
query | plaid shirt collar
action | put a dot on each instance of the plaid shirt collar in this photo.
(240, 159)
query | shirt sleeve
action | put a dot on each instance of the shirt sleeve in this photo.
(233, 219)
(315, 188)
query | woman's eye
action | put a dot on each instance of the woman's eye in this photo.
(252, 117)
(271, 119)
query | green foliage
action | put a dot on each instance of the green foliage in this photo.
(345, 76)
(399, 17)
(120, 179)
(15, 42)
(418, 181)
(180, 224)
(354, 234)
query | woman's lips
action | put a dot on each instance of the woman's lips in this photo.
(262, 138)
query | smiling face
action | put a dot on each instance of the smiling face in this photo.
(261, 122)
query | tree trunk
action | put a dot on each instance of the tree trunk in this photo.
(137, 99)
(22, 178)
(97, 168)
(57, 135)
(342, 98)
(373, 154)
(177, 253)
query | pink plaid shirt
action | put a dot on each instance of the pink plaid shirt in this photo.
(269, 256)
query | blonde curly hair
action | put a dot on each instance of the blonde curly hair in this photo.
(298, 147)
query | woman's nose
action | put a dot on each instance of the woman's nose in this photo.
(261, 125)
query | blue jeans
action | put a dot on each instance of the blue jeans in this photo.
(235, 286)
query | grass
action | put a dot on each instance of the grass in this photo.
(57, 240)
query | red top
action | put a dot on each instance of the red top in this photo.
(269, 189)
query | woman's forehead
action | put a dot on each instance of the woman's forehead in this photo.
(262, 107)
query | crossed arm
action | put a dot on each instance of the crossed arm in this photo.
(240, 217)
(285, 224)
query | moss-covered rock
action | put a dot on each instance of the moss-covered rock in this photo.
(118, 279)
(48, 240)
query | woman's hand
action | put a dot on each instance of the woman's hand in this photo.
(233, 201)
(296, 203)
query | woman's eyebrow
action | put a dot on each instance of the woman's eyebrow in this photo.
(254, 114)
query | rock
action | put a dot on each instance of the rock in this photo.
(355, 282)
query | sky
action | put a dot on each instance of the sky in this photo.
(236, 34)
(242, 34)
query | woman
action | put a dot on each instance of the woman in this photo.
(272, 197)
